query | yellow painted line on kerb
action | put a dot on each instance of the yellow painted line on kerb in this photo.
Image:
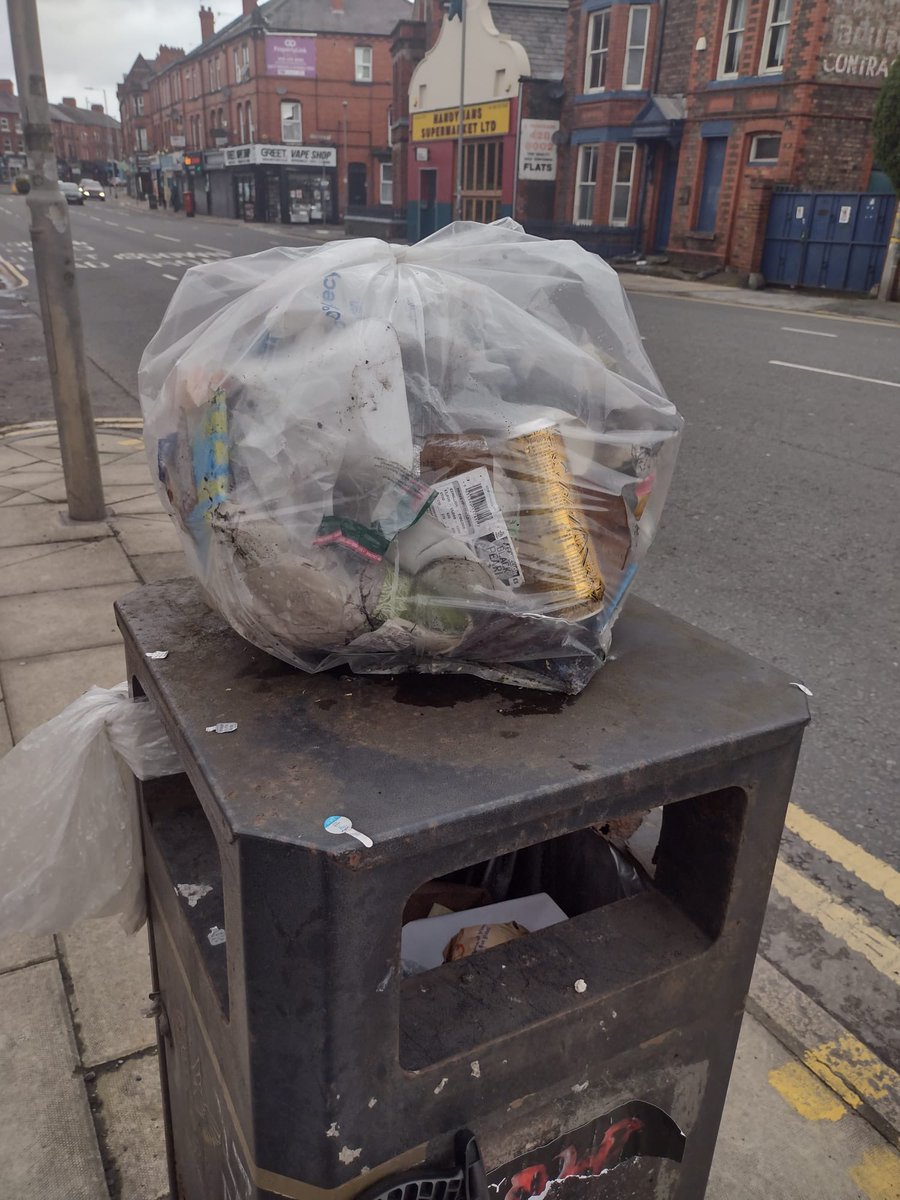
(835, 918)
(865, 866)
(806, 1094)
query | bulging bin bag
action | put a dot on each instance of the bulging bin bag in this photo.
(446, 457)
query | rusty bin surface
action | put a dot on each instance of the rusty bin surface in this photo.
(298, 1062)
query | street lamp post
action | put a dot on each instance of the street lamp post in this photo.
(103, 91)
(346, 166)
(54, 264)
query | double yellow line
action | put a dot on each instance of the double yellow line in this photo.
(854, 930)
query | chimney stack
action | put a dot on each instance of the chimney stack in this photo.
(69, 102)
(249, 6)
(97, 108)
(6, 87)
(207, 23)
(337, 6)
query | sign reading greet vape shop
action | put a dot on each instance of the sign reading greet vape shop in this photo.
(537, 151)
(479, 120)
(291, 56)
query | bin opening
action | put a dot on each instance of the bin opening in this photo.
(501, 899)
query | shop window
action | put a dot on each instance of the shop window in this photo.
(482, 190)
(732, 38)
(597, 52)
(386, 183)
(623, 181)
(775, 42)
(363, 64)
(636, 46)
(291, 121)
(585, 185)
(765, 148)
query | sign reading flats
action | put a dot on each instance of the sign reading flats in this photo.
(289, 156)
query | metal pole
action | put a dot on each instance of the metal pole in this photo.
(346, 166)
(54, 263)
(462, 112)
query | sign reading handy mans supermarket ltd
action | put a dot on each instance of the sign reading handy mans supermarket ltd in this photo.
(480, 120)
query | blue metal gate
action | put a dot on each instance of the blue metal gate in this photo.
(834, 240)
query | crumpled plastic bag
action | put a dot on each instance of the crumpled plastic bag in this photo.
(70, 842)
(446, 457)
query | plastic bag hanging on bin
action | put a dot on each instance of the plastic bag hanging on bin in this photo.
(447, 457)
(71, 845)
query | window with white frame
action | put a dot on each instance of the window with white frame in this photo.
(138, 106)
(585, 185)
(236, 62)
(7, 145)
(245, 61)
(240, 121)
(597, 52)
(765, 148)
(623, 180)
(4, 124)
(363, 64)
(636, 46)
(732, 38)
(291, 121)
(141, 139)
(390, 126)
(189, 84)
(251, 132)
(778, 23)
(386, 183)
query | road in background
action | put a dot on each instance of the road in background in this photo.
(780, 536)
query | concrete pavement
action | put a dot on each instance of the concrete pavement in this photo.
(80, 1113)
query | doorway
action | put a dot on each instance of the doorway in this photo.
(427, 202)
(666, 199)
(357, 191)
(482, 181)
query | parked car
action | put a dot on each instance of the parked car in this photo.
(92, 190)
(72, 193)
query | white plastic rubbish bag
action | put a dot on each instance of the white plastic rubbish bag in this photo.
(450, 456)
(70, 845)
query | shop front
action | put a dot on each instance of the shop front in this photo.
(487, 180)
(288, 185)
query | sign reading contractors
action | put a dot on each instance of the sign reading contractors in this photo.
(862, 41)
(479, 120)
(290, 156)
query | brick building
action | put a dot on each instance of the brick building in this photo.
(12, 147)
(513, 92)
(283, 115)
(87, 141)
(679, 136)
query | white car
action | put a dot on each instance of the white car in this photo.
(72, 193)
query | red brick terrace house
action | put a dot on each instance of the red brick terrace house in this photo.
(12, 147)
(282, 115)
(693, 143)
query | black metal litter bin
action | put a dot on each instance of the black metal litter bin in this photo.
(589, 1059)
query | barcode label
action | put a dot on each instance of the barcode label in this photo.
(467, 506)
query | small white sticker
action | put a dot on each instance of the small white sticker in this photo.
(467, 506)
(844, 218)
(216, 936)
(222, 727)
(339, 825)
(157, 655)
(799, 213)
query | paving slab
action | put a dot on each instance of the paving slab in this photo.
(148, 503)
(129, 1118)
(21, 951)
(48, 1147)
(110, 974)
(132, 469)
(55, 566)
(146, 534)
(52, 622)
(10, 458)
(36, 689)
(20, 498)
(786, 1135)
(31, 525)
(171, 564)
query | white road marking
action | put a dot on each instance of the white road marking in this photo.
(814, 332)
(132, 229)
(165, 276)
(115, 224)
(774, 362)
(165, 237)
(215, 249)
(97, 219)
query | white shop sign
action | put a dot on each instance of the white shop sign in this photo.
(290, 156)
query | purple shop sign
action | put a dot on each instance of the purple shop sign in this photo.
(294, 56)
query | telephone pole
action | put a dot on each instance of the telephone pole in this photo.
(54, 263)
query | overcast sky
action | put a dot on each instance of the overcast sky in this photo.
(92, 43)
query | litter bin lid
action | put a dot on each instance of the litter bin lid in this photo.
(440, 758)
